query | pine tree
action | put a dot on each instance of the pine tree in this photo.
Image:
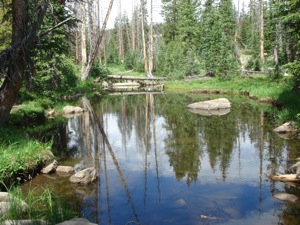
(217, 40)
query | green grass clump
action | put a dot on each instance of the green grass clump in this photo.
(19, 157)
(40, 207)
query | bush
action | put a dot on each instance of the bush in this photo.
(294, 69)
(253, 64)
(99, 70)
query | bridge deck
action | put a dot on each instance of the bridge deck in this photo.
(133, 78)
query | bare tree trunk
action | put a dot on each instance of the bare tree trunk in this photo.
(151, 58)
(13, 60)
(98, 27)
(76, 47)
(92, 57)
(120, 34)
(262, 56)
(91, 24)
(144, 39)
(133, 27)
(83, 38)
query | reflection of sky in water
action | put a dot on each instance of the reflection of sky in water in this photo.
(159, 198)
(149, 190)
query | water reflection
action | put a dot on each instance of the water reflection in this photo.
(161, 164)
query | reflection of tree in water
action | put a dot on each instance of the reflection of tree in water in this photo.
(190, 135)
(182, 145)
(220, 134)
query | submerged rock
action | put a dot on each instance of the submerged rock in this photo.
(286, 197)
(64, 170)
(77, 221)
(85, 176)
(211, 112)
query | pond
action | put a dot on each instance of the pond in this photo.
(159, 163)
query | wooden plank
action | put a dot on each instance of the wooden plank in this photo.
(121, 77)
(135, 93)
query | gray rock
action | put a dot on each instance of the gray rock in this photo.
(211, 112)
(286, 197)
(24, 222)
(4, 197)
(72, 109)
(85, 176)
(295, 168)
(50, 168)
(64, 170)
(7, 200)
(77, 221)
(285, 128)
(215, 104)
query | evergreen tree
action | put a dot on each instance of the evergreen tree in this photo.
(217, 40)
(170, 12)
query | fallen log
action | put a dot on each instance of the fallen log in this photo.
(287, 178)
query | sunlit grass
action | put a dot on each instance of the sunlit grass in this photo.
(260, 87)
(40, 207)
(279, 90)
(20, 156)
(120, 70)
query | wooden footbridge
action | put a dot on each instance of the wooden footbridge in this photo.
(134, 84)
(120, 81)
(134, 79)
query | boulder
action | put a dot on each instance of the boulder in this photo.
(220, 106)
(211, 112)
(64, 170)
(50, 113)
(220, 103)
(4, 197)
(286, 197)
(295, 168)
(72, 109)
(85, 176)
(50, 168)
(7, 200)
(24, 222)
(77, 221)
(285, 128)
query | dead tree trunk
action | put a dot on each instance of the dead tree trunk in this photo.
(13, 61)
(144, 39)
(262, 56)
(92, 56)
(83, 38)
(151, 57)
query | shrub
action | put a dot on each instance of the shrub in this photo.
(294, 69)
(99, 70)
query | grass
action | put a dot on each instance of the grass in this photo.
(260, 87)
(18, 157)
(280, 90)
(40, 207)
(120, 70)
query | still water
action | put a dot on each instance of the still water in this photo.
(159, 163)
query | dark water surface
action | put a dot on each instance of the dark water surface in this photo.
(162, 164)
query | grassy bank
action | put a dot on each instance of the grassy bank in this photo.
(279, 91)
